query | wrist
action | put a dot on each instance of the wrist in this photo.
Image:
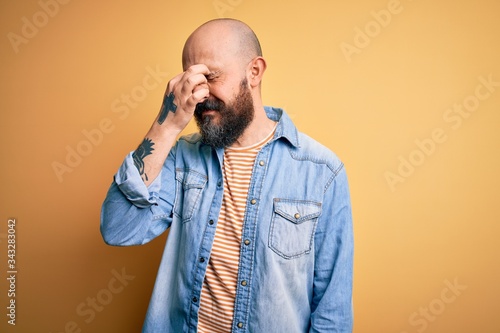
(164, 132)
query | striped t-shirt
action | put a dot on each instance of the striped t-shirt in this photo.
(219, 287)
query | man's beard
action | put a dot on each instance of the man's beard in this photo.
(234, 118)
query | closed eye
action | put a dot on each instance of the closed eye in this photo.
(213, 75)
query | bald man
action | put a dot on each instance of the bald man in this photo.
(259, 215)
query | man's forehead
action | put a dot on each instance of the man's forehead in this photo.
(212, 45)
(215, 60)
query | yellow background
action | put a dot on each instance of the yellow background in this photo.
(414, 238)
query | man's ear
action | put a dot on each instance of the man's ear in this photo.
(256, 69)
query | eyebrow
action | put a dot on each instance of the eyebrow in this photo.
(213, 75)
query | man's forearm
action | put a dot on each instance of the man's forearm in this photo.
(150, 156)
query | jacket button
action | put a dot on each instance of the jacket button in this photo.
(211, 222)
(253, 201)
(240, 325)
(246, 242)
(195, 299)
(261, 163)
(297, 216)
(202, 260)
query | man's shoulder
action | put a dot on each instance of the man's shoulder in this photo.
(312, 150)
(302, 147)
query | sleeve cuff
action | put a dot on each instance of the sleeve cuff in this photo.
(129, 181)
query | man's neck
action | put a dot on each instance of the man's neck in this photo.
(258, 130)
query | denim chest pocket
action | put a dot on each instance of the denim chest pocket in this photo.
(190, 184)
(292, 227)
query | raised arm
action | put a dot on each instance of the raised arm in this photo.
(183, 93)
(133, 212)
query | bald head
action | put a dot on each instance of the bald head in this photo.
(221, 37)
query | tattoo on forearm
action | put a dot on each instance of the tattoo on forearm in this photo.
(168, 105)
(144, 149)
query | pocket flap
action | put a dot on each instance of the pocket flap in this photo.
(297, 211)
(190, 179)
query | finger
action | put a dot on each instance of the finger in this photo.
(191, 82)
(193, 73)
(200, 86)
(196, 97)
(180, 79)
(173, 83)
(197, 69)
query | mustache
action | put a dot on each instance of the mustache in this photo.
(209, 104)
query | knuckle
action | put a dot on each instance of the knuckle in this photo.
(190, 70)
(185, 90)
(190, 81)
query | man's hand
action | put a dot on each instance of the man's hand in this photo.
(183, 93)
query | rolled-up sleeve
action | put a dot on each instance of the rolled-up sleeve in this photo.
(133, 213)
(132, 186)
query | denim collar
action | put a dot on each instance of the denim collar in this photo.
(285, 129)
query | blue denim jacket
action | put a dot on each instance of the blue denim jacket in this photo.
(297, 245)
